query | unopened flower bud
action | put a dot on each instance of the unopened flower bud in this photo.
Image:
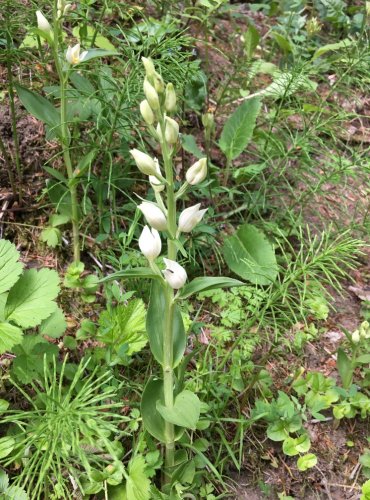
(190, 217)
(171, 132)
(151, 95)
(197, 172)
(150, 243)
(73, 55)
(149, 66)
(208, 120)
(156, 184)
(174, 274)
(146, 112)
(42, 22)
(144, 162)
(170, 98)
(356, 336)
(158, 82)
(153, 215)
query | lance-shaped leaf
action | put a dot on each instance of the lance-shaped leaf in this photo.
(137, 272)
(238, 129)
(202, 284)
(31, 299)
(156, 324)
(40, 108)
(10, 267)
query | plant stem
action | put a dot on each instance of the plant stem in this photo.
(168, 377)
(65, 142)
(227, 171)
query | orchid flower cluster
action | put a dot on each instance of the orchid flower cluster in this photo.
(159, 104)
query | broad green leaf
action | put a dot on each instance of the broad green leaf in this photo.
(124, 325)
(28, 364)
(55, 325)
(284, 43)
(306, 462)
(345, 368)
(251, 39)
(202, 284)
(4, 481)
(251, 256)
(40, 108)
(51, 236)
(277, 431)
(93, 53)
(343, 44)
(153, 421)
(363, 359)
(4, 405)
(185, 411)
(294, 446)
(238, 129)
(137, 272)
(9, 336)
(99, 40)
(58, 220)
(188, 143)
(31, 299)
(15, 493)
(10, 267)
(56, 174)
(137, 483)
(7, 444)
(156, 324)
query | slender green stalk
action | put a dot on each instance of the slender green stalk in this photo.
(65, 143)
(168, 376)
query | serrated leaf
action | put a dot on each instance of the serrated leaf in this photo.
(9, 336)
(15, 493)
(29, 361)
(4, 481)
(31, 299)
(124, 325)
(10, 267)
(238, 129)
(137, 484)
(249, 254)
(51, 236)
(55, 325)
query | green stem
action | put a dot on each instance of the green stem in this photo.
(168, 375)
(65, 142)
(227, 171)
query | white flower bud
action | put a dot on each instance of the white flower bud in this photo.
(356, 336)
(146, 112)
(144, 162)
(190, 217)
(73, 55)
(197, 172)
(158, 82)
(171, 132)
(151, 95)
(153, 215)
(150, 243)
(156, 184)
(42, 22)
(159, 133)
(170, 98)
(174, 274)
(149, 66)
